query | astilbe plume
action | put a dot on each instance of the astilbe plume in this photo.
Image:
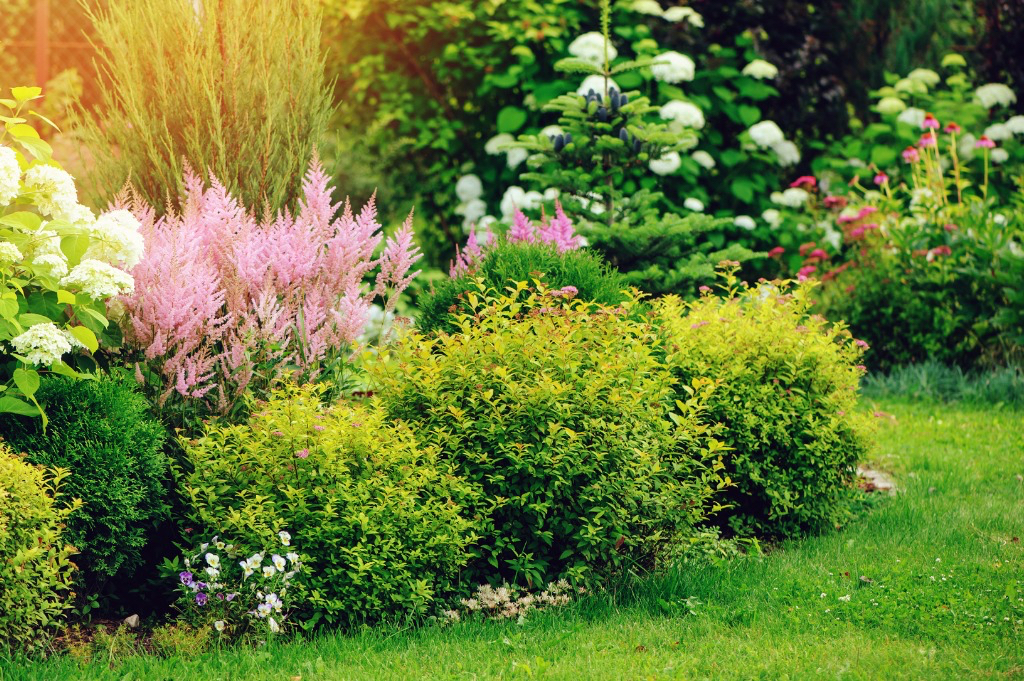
(221, 298)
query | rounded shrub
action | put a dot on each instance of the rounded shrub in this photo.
(102, 433)
(35, 560)
(557, 413)
(375, 517)
(786, 399)
(505, 263)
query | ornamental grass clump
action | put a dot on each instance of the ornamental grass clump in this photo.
(224, 302)
(558, 414)
(786, 389)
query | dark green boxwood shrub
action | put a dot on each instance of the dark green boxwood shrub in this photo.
(505, 263)
(557, 413)
(786, 399)
(101, 431)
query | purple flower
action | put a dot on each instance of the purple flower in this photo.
(186, 578)
(231, 597)
(201, 599)
(199, 586)
(302, 453)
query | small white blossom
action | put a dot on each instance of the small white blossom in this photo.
(690, 15)
(212, 572)
(888, 106)
(268, 571)
(494, 145)
(998, 132)
(219, 625)
(99, 280)
(54, 265)
(515, 157)
(278, 562)
(999, 155)
(995, 94)
(647, 7)
(285, 537)
(469, 187)
(912, 116)
(10, 175)
(845, 598)
(597, 84)
(696, 205)
(213, 560)
(274, 627)
(794, 197)
(83, 216)
(667, 164)
(51, 189)
(760, 69)
(292, 557)
(926, 76)
(1015, 124)
(673, 67)
(744, 222)
(787, 153)
(766, 134)
(9, 253)
(703, 159)
(590, 48)
(551, 193)
(833, 237)
(685, 113)
(43, 344)
(772, 216)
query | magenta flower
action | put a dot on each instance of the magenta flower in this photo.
(911, 155)
(861, 344)
(930, 122)
(776, 252)
(186, 578)
(569, 291)
(705, 289)
(950, 227)
(951, 128)
(818, 253)
(807, 181)
(942, 250)
(835, 202)
(302, 453)
(697, 325)
(927, 140)
(857, 232)
(201, 599)
(318, 428)
(984, 143)
(806, 271)
(881, 178)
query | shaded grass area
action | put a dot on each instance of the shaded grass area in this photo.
(934, 579)
(933, 381)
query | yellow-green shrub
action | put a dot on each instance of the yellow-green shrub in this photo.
(557, 413)
(35, 565)
(786, 399)
(375, 516)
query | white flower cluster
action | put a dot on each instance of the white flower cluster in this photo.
(1015, 124)
(9, 253)
(772, 216)
(513, 157)
(673, 67)
(888, 106)
(744, 222)
(684, 114)
(703, 159)
(926, 76)
(666, 164)
(696, 205)
(52, 190)
(44, 344)
(768, 135)
(98, 279)
(597, 84)
(590, 48)
(471, 207)
(794, 197)
(760, 69)
(912, 116)
(10, 175)
(672, 14)
(518, 198)
(511, 602)
(995, 94)
(114, 238)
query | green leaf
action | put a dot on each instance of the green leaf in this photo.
(22, 219)
(45, 119)
(31, 319)
(574, 65)
(85, 337)
(26, 94)
(38, 148)
(65, 297)
(94, 316)
(63, 369)
(749, 114)
(74, 247)
(743, 190)
(631, 66)
(27, 381)
(12, 405)
(510, 119)
(8, 307)
(883, 156)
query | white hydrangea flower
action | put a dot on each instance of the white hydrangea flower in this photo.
(590, 48)
(833, 237)
(673, 67)
(98, 279)
(998, 132)
(772, 216)
(995, 94)
(80, 215)
(760, 69)
(10, 175)
(926, 76)
(515, 157)
(696, 205)
(514, 198)
(551, 131)
(794, 197)
(114, 238)
(766, 134)
(9, 253)
(685, 113)
(532, 200)
(888, 106)
(469, 187)
(53, 190)
(787, 153)
(999, 155)
(596, 83)
(52, 264)
(916, 87)
(703, 159)
(965, 146)
(690, 15)
(472, 211)
(912, 116)
(647, 7)
(744, 222)
(551, 193)
(494, 145)
(1015, 124)
(44, 344)
(667, 164)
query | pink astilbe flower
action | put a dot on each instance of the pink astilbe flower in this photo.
(558, 231)
(220, 293)
(522, 229)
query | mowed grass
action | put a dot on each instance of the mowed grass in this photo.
(926, 585)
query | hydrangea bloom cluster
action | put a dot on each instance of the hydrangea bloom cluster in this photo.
(673, 67)
(218, 291)
(768, 135)
(10, 175)
(44, 344)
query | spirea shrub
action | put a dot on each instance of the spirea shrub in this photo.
(102, 433)
(377, 516)
(786, 397)
(35, 560)
(557, 414)
(224, 302)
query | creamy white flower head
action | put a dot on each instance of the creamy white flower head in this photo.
(514, 198)
(998, 132)
(292, 557)
(912, 116)
(219, 625)
(999, 155)
(52, 190)
(953, 59)
(965, 146)
(760, 69)
(10, 175)
(44, 344)
(274, 626)
(469, 187)
(772, 216)
(1015, 124)
(689, 14)
(494, 145)
(999, 219)
(651, 7)
(995, 94)
(472, 211)
(888, 106)
(98, 279)
(551, 193)
(766, 134)
(685, 113)
(672, 67)
(212, 572)
(833, 238)
(279, 562)
(51, 264)
(926, 76)
(590, 48)
(787, 153)
(912, 86)
(114, 238)
(285, 537)
(269, 570)
(694, 204)
(744, 222)
(667, 164)
(794, 197)
(703, 159)
(212, 559)
(82, 216)
(532, 200)
(9, 253)
(551, 131)
(515, 157)
(597, 84)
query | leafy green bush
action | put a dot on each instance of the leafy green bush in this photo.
(102, 433)
(35, 561)
(505, 263)
(236, 93)
(376, 517)
(786, 396)
(556, 412)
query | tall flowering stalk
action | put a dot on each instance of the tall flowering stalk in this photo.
(224, 302)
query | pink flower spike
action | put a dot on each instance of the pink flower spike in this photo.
(835, 202)
(806, 271)
(861, 344)
(302, 453)
(804, 181)
(521, 230)
(984, 143)
(818, 253)
(705, 289)
(776, 252)
(930, 122)
(881, 178)
(911, 155)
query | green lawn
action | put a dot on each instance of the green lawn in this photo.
(942, 595)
